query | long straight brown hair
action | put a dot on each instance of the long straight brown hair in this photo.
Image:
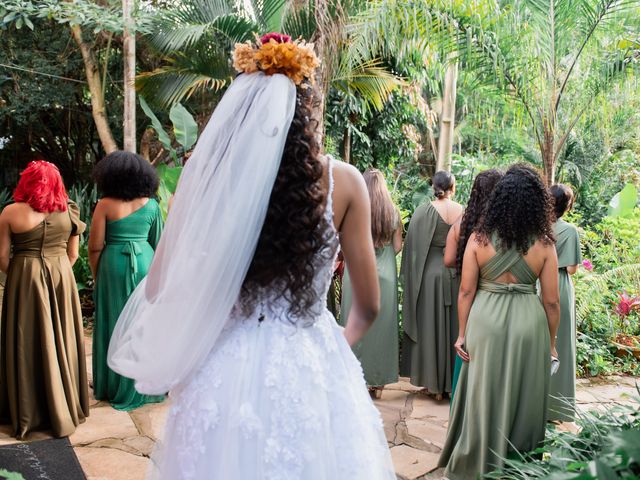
(385, 216)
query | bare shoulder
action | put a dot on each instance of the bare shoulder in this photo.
(541, 247)
(15, 210)
(104, 205)
(345, 172)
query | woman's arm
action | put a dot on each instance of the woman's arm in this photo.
(468, 288)
(73, 247)
(5, 241)
(397, 239)
(96, 237)
(571, 269)
(357, 248)
(551, 295)
(451, 247)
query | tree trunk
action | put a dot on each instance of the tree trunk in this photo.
(98, 108)
(447, 119)
(129, 54)
(346, 145)
(549, 157)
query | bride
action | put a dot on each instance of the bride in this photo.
(231, 319)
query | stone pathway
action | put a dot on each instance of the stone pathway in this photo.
(114, 445)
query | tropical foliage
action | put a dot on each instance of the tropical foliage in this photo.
(606, 447)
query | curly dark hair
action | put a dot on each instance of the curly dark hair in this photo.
(562, 199)
(520, 210)
(483, 187)
(295, 229)
(126, 176)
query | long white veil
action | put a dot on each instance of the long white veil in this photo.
(175, 315)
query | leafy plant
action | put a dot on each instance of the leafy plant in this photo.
(185, 130)
(169, 177)
(606, 447)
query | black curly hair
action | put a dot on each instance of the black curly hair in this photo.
(295, 229)
(562, 199)
(520, 210)
(126, 176)
(483, 187)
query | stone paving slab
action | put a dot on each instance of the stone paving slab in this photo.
(115, 445)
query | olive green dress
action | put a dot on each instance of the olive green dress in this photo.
(129, 247)
(43, 376)
(378, 350)
(429, 307)
(562, 391)
(502, 395)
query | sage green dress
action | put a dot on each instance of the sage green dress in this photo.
(429, 307)
(129, 247)
(43, 375)
(562, 391)
(378, 350)
(502, 395)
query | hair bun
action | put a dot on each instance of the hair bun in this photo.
(439, 193)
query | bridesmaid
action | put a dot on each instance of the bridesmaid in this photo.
(125, 230)
(43, 376)
(429, 311)
(378, 350)
(507, 334)
(461, 231)
(562, 391)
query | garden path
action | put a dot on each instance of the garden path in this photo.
(114, 445)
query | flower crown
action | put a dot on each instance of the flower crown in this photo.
(277, 53)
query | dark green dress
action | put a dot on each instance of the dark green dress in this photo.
(129, 246)
(502, 395)
(378, 350)
(562, 391)
(429, 307)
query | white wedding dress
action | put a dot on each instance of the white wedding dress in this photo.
(277, 398)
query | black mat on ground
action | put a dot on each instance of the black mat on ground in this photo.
(42, 460)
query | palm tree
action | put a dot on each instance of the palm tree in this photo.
(196, 37)
(554, 57)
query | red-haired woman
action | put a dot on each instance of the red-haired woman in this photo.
(43, 380)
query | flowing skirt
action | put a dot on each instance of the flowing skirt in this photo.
(275, 401)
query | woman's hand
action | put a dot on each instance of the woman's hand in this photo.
(460, 349)
(554, 352)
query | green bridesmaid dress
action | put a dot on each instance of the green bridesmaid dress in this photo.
(429, 307)
(562, 390)
(502, 395)
(129, 246)
(378, 350)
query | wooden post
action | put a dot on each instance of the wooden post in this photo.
(447, 118)
(129, 54)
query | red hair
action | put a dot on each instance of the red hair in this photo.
(41, 187)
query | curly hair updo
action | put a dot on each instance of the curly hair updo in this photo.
(125, 176)
(295, 228)
(520, 210)
(442, 182)
(562, 198)
(483, 186)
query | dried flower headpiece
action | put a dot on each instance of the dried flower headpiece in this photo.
(277, 53)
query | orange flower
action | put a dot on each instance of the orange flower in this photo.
(296, 60)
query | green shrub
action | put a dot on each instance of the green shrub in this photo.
(607, 447)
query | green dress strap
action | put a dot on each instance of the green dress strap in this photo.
(414, 256)
(512, 261)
